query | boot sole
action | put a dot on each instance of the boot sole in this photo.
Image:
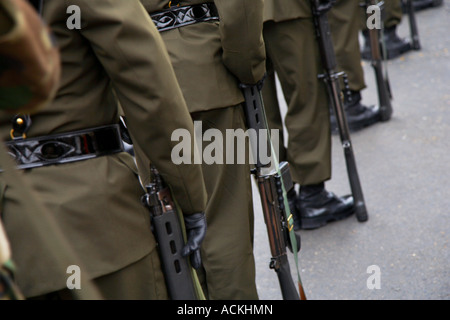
(314, 223)
(391, 54)
(354, 127)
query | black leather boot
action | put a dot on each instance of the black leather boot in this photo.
(358, 115)
(317, 206)
(395, 45)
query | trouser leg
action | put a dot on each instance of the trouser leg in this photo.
(227, 251)
(296, 60)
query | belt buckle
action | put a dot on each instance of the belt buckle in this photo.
(66, 147)
(20, 123)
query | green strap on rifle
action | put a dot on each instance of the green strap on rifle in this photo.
(287, 210)
(11, 291)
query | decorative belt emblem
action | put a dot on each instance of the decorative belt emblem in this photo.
(33, 151)
(176, 17)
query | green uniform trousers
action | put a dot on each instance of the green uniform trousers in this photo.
(293, 53)
(344, 24)
(393, 11)
(392, 14)
(227, 251)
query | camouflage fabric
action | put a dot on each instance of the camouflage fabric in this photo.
(8, 289)
(29, 60)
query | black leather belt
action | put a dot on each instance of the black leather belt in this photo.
(176, 17)
(66, 147)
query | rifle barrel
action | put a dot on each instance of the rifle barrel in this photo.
(331, 78)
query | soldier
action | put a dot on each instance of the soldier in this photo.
(211, 58)
(28, 80)
(75, 160)
(25, 85)
(344, 24)
(395, 46)
(293, 53)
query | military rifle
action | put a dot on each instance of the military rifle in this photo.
(331, 78)
(272, 189)
(169, 236)
(415, 41)
(383, 85)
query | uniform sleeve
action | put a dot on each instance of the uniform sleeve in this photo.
(241, 24)
(133, 54)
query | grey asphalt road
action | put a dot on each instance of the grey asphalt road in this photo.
(404, 168)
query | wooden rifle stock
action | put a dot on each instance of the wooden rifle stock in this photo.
(319, 10)
(276, 230)
(272, 199)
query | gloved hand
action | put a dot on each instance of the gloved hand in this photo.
(196, 230)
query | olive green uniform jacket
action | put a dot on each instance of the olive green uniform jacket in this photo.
(277, 11)
(97, 202)
(28, 81)
(210, 59)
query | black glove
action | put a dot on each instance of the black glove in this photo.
(259, 85)
(196, 231)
